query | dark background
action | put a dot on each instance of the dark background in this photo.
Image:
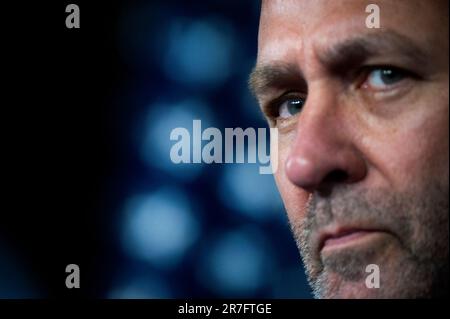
(86, 175)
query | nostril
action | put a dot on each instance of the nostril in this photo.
(336, 176)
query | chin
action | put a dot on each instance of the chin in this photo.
(338, 288)
(353, 291)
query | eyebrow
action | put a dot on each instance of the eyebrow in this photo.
(275, 75)
(338, 59)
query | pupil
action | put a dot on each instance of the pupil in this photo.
(390, 76)
(294, 106)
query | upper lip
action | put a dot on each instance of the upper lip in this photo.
(338, 231)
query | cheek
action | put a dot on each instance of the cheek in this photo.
(416, 152)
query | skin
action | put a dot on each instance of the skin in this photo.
(361, 156)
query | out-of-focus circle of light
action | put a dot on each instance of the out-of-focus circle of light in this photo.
(246, 191)
(199, 53)
(160, 227)
(156, 144)
(237, 264)
(141, 287)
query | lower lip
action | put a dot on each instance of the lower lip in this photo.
(348, 239)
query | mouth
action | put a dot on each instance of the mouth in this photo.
(345, 237)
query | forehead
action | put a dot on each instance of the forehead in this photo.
(289, 29)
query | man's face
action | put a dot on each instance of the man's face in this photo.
(362, 118)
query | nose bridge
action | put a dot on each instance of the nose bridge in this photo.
(318, 130)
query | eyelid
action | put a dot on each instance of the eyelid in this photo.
(272, 108)
(366, 70)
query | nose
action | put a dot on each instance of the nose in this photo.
(323, 154)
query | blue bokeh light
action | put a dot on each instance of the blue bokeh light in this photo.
(237, 264)
(246, 191)
(162, 118)
(160, 227)
(207, 47)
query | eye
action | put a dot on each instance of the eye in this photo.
(290, 106)
(382, 78)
